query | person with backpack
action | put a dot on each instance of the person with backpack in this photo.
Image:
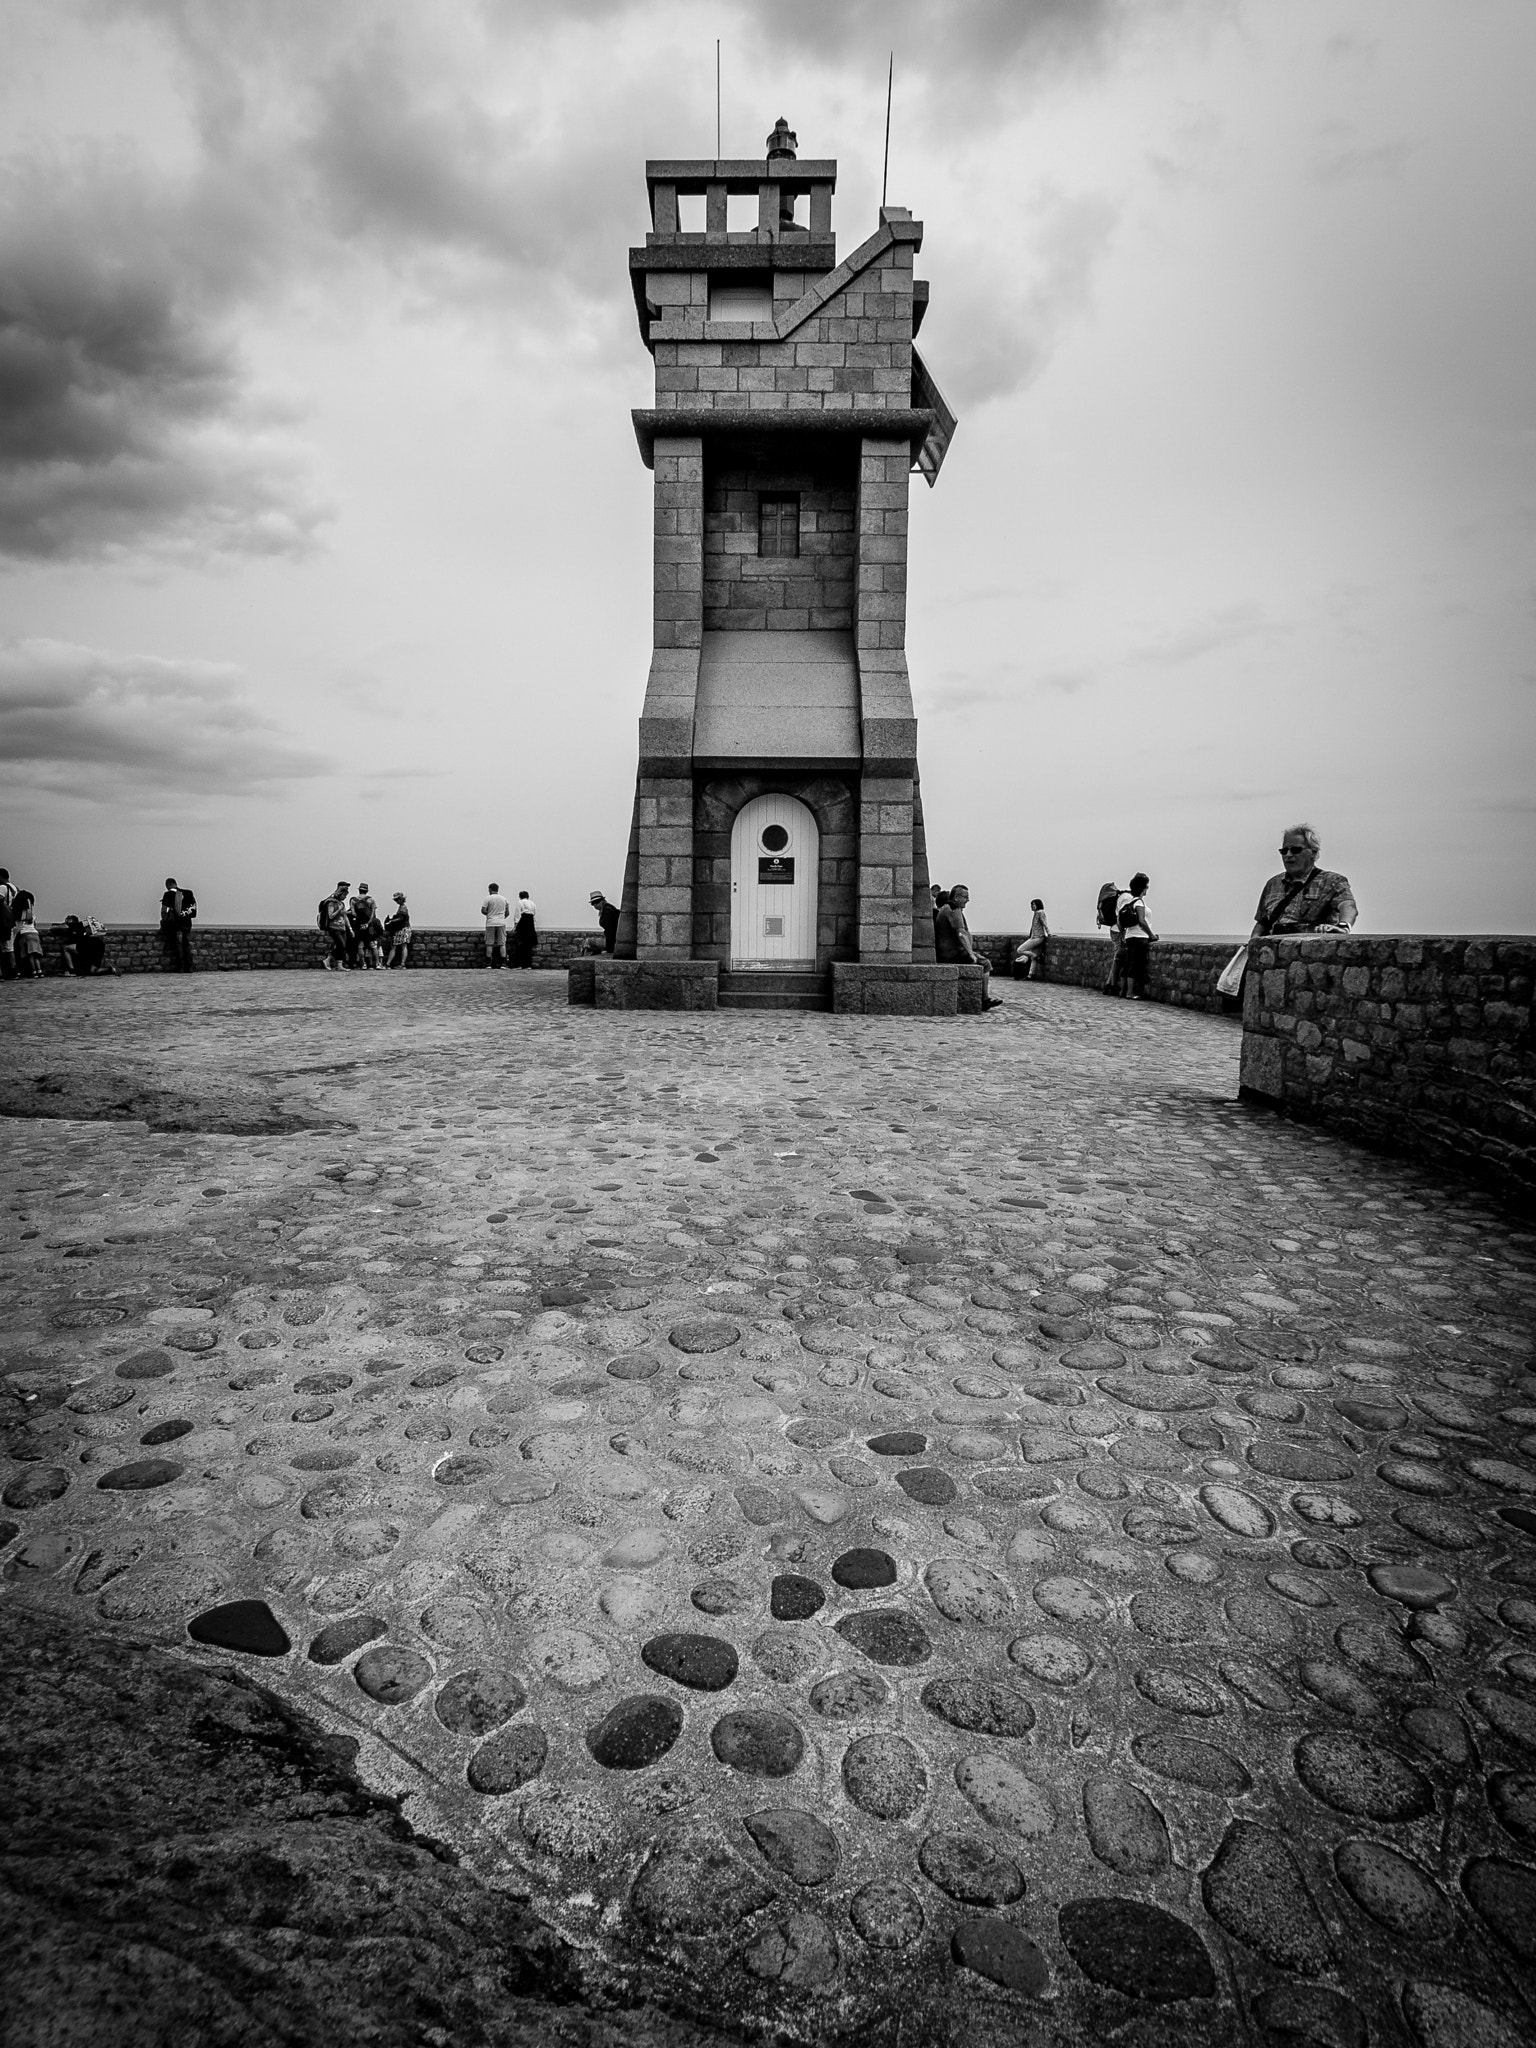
(1136, 935)
(363, 916)
(331, 918)
(178, 907)
(1106, 918)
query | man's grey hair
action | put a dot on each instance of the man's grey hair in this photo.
(1303, 832)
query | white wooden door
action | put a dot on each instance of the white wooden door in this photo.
(775, 848)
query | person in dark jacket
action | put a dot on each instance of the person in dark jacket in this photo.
(178, 907)
(524, 932)
(607, 917)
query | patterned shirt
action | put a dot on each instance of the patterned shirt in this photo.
(1323, 900)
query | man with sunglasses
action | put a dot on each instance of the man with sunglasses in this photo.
(1305, 897)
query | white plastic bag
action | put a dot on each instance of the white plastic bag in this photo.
(1230, 979)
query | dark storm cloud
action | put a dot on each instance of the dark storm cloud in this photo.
(488, 154)
(102, 726)
(124, 413)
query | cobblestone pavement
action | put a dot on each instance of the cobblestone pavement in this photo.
(949, 1531)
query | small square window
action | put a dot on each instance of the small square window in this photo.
(778, 526)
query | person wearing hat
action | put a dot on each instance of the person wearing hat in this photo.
(397, 932)
(607, 917)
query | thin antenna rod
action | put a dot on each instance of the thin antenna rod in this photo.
(885, 171)
(717, 99)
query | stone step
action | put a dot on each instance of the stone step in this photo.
(771, 999)
(773, 989)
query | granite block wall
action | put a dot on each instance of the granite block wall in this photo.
(231, 948)
(748, 592)
(851, 353)
(1418, 1045)
(1180, 971)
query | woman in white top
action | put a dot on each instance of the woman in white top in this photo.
(1131, 916)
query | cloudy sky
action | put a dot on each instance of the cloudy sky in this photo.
(324, 542)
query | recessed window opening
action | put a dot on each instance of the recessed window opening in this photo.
(740, 213)
(690, 213)
(741, 295)
(778, 525)
(775, 839)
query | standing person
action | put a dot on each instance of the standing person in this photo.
(332, 919)
(1032, 952)
(362, 916)
(178, 907)
(1137, 935)
(952, 939)
(495, 910)
(397, 932)
(1110, 894)
(8, 895)
(29, 940)
(607, 918)
(1305, 897)
(525, 934)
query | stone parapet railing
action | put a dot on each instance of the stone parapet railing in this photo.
(1179, 971)
(222, 948)
(1418, 1045)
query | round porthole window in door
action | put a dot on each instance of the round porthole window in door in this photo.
(774, 839)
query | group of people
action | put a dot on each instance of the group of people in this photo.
(1124, 913)
(1302, 898)
(506, 922)
(359, 937)
(21, 943)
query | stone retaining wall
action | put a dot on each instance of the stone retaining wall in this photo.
(1417, 1045)
(1180, 971)
(221, 948)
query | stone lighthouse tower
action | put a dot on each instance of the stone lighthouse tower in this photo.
(776, 854)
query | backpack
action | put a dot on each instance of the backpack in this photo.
(323, 915)
(1126, 917)
(1105, 911)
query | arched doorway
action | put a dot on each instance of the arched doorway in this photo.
(775, 851)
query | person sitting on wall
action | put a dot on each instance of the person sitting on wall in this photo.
(1030, 958)
(607, 917)
(178, 907)
(952, 940)
(1305, 897)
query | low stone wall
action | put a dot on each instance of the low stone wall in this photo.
(1420, 1046)
(1179, 971)
(225, 948)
